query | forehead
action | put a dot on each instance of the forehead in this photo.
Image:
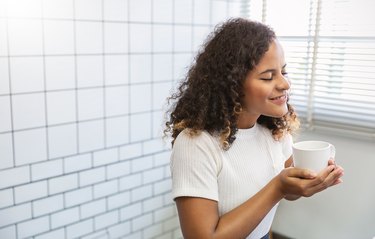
(273, 58)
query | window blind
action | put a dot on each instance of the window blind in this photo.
(330, 51)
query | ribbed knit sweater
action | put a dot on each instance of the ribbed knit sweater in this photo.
(201, 168)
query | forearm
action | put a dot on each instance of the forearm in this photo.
(241, 221)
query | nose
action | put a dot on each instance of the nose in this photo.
(283, 83)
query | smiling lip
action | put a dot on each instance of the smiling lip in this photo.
(279, 100)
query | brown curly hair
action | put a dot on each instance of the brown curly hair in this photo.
(210, 96)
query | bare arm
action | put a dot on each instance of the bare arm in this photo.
(199, 218)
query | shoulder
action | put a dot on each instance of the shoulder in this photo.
(200, 139)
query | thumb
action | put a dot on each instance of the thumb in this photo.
(302, 173)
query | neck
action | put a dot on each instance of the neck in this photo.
(246, 120)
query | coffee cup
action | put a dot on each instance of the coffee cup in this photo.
(312, 155)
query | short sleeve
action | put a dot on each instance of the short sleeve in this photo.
(287, 143)
(194, 166)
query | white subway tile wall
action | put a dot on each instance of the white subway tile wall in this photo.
(83, 87)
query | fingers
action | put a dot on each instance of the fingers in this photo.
(301, 173)
(330, 176)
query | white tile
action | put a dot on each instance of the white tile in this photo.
(140, 68)
(119, 230)
(93, 208)
(80, 229)
(102, 234)
(89, 37)
(89, 71)
(104, 157)
(153, 175)
(61, 107)
(115, 37)
(46, 169)
(140, 37)
(131, 211)
(33, 227)
(91, 176)
(202, 12)
(90, 104)
(182, 38)
(131, 181)
(25, 37)
(48, 205)
(116, 69)
(164, 213)
(3, 38)
(28, 111)
(219, 11)
(25, 8)
(183, 11)
(162, 67)
(161, 159)
(140, 125)
(140, 98)
(154, 146)
(162, 38)
(118, 200)
(60, 72)
(5, 119)
(130, 151)
(4, 76)
(62, 140)
(115, 10)
(116, 100)
(58, 37)
(160, 92)
(58, 9)
(88, 9)
(62, 184)
(140, 10)
(181, 65)
(91, 135)
(118, 170)
(154, 230)
(65, 217)
(105, 189)
(141, 164)
(158, 124)
(15, 214)
(106, 220)
(27, 74)
(141, 222)
(77, 163)
(163, 11)
(78, 196)
(6, 198)
(30, 191)
(30, 146)
(117, 131)
(199, 37)
(14, 176)
(163, 186)
(8, 232)
(55, 234)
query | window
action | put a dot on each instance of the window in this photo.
(330, 51)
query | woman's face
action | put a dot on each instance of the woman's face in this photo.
(266, 86)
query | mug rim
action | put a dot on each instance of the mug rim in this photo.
(298, 145)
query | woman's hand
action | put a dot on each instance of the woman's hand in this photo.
(297, 182)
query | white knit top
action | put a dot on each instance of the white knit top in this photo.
(200, 168)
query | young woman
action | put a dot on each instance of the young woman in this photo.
(231, 127)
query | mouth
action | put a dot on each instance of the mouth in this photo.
(279, 100)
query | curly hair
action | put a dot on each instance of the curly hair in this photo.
(209, 98)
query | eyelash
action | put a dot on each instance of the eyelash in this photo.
(268, 79)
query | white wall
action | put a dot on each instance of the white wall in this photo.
(82, 88)
(346, 211)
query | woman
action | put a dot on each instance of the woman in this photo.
(231, 127)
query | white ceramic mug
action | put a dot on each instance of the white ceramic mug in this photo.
(313, 155)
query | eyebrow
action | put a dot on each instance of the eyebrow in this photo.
(271, 70)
